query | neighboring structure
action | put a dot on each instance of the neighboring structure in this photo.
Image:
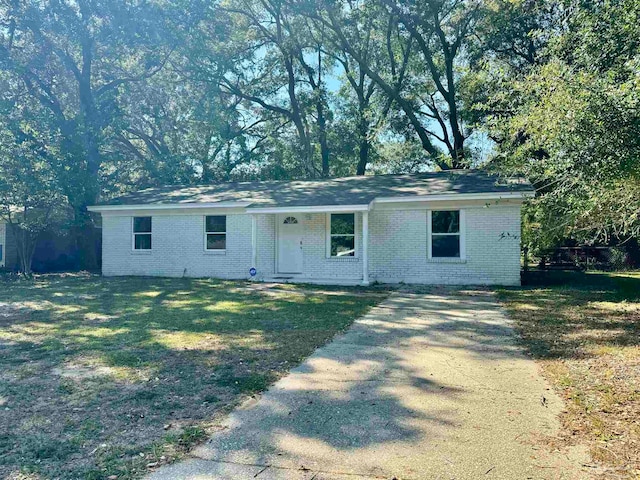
(8, 249)
(454, 227)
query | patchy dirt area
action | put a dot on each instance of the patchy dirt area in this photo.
(109, 378)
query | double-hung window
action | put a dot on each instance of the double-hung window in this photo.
(215, 227)
(342, 235)
(445, 234)
(142, 233)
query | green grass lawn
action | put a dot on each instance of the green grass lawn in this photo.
(106, 378)
(585, 332)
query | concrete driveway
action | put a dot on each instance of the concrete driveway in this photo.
(426, 386)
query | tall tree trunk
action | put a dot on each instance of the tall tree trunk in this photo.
(298, 121)
(83, 222)
(320, 104)
(322, 138)
(458, 154)
(632, 247)
(363, 133)
(364, 157)
(458, 158)
(25, 248)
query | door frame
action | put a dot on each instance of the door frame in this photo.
(279, 219)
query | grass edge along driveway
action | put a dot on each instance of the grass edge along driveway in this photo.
(108, 377)
(584, 330)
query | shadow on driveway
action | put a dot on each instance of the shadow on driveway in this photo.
(427, 385)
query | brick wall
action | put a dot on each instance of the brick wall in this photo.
(397, 248)
(178, 248)
(266, 254)
(316, 265)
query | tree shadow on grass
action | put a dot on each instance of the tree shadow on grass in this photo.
(587, 311)
(88, 361)
(586, 329)
(123, 362)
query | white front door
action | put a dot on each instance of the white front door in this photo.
(290, 231)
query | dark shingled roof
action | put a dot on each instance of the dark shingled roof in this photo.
(334, 191)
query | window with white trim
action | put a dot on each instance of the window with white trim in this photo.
(142, 233)
(342, 235)
(445, 234)
(215, 227)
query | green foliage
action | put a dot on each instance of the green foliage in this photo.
(106, 97)
(63, 66)
(122, 95)
(30, 202)
(570, 121)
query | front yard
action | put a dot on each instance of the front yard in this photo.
(586, 334)
(108, 378)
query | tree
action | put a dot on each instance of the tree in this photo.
(73, 58)
(575, 129)
(271, 71)
(363, 109)
(433, 35)
(30, 200)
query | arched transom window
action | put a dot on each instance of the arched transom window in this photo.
(290, 220)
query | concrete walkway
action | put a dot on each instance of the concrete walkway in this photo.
(426, 386)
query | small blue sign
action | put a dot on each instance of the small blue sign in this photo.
(252, 272)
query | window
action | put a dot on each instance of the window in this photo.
(445, 234)
(342, 235)
(142, 233)
(215, 227)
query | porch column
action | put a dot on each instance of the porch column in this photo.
(365, 248)
(254, 242)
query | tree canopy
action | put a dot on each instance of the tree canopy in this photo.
(109, 96)
(567, 116)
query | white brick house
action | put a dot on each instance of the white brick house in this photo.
(456, 227)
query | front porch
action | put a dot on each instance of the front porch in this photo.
(311, 245)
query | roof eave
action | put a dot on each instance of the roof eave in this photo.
(457, 196)
(167, 206)
(310, 209)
